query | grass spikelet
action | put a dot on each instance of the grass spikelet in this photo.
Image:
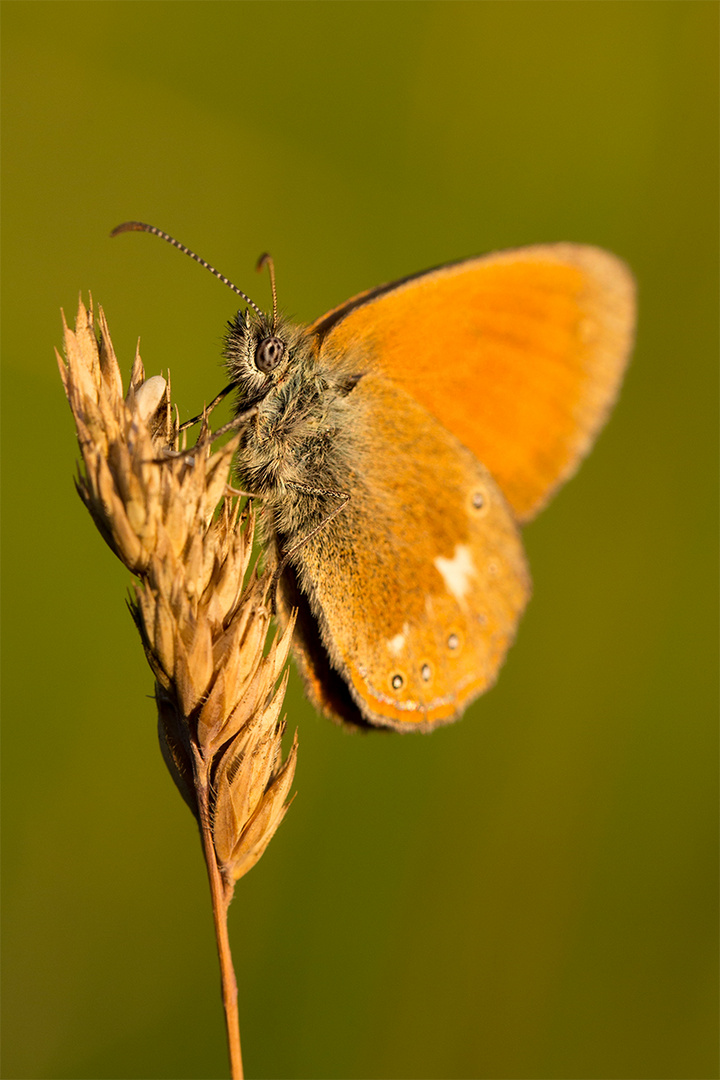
(203, 617)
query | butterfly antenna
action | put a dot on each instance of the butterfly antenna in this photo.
(267, 260)
(140, 226)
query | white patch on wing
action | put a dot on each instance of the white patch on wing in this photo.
(396, 644)
(456, 572)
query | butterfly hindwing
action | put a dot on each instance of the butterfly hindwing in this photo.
(425, 591)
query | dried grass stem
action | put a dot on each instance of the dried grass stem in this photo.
(202, 614)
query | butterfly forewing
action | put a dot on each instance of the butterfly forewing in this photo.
(520, 354)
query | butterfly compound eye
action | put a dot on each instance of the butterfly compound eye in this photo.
(269, 354)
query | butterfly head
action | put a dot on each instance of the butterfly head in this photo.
(259, 351)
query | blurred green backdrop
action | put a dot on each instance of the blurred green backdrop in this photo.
(531, 893)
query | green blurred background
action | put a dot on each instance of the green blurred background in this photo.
(532, 892)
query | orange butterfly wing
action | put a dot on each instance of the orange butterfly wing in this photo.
(520, 354)
(414, 595)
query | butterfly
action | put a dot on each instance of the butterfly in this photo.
(400, 442)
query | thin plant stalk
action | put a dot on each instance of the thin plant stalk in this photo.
(221, 894)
